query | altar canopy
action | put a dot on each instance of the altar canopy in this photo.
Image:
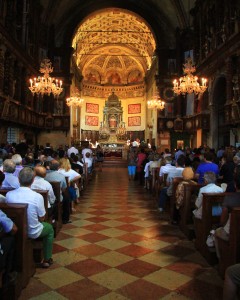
(113, 112)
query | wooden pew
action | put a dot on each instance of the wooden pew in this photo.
(160, 185)
(154, 181)
(24, 254)
(203, 226)
(36, 244)
(230, 250)
(186, 217)
(57, 225)
(42, 192)
(172, 204)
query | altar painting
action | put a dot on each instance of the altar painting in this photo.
(92, 108)
(134, 108)
(91, 120)
(134, 121)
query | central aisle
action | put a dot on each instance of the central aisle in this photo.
(118, 248)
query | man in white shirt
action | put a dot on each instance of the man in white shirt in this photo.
(86, 150)
(35, 213)
(210, 187)
(10, 181)
(40, 183)
(166, 169)
(72, 150)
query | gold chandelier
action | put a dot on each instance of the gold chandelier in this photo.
(75, 99)
(189, 84)
(46, 85)
(156, 103)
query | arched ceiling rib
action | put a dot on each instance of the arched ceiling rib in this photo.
(105, 29)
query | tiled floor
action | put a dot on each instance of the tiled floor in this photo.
(118, 248)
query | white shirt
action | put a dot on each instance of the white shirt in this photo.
(72, 150)
(10, 181)
(84, 151)
(146, 169)
(88, 161)
(166, 169)
(71, 174)
(35, 208)
(210, 188)
(176, 172)
(40, 183)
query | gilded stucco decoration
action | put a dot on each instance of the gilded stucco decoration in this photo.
(114, 47)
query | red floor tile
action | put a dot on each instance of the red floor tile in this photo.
(138, 268)
(88, 267)
(132, 238)
(134, 250)
(94, 237)
(91, 250)
(143, 290)
(95, 227)
(84, 289)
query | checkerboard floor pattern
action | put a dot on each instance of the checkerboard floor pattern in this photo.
(117, 247)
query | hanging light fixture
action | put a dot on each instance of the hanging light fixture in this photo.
(189, 84)
(75, 99)
(156, 103)
(46, 85)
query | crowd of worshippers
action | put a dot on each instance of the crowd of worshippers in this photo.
(23, 170)
(216, 171)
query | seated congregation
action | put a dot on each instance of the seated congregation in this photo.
(38, 194)
(198, 191)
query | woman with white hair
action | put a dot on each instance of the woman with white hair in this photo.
(17, 159)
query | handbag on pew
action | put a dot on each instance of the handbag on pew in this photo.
(210, 239)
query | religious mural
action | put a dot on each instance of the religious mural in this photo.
(91, 120)
(134, 121)
(114, 78)
(135, 76)
(134, 108)
(92, 108)
(92, 77)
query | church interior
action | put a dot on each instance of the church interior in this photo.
(128, 51)
(164, 73)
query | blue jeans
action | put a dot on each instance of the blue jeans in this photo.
(163, 198)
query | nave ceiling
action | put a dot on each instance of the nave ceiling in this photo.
(114, 41)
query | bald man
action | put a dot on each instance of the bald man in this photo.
(40, 183)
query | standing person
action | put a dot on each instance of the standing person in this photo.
(132, 164)
(100, 157)
(226, 172)
(35, 213)
(140, 168)
(72, 150)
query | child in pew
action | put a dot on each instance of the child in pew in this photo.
(230, 201)
(36, 212)
(210, 187)
(7, 249)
